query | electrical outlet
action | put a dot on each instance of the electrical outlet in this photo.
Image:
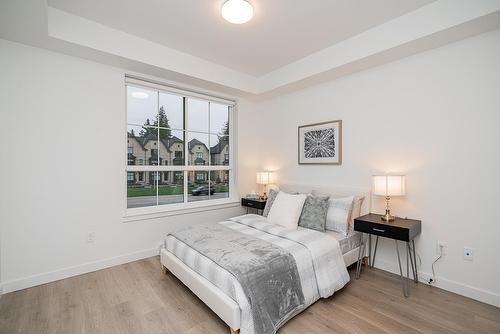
(90, 237)
(468, 254)
(441, 248)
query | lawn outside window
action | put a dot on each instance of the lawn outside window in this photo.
(179, 149)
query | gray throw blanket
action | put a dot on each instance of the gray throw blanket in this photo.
(267, 273)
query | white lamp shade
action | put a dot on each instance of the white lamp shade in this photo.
(264, 177)
(388, 185)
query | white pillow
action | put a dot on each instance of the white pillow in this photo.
(286, 210)
(339, 214)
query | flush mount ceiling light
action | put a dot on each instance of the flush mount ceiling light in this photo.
(140, 95)
(237, 11)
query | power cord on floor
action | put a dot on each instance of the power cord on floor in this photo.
(433, 279)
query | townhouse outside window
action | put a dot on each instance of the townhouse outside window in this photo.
(178, 148)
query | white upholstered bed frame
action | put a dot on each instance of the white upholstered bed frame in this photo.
(226, 308)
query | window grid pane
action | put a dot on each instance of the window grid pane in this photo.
(199, 186)
(198, 151)
(141, 193)
(171, 111)
(171, 188)
(142, 106)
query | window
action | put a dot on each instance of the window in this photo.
(178, 146)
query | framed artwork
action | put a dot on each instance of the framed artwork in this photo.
(320, 143)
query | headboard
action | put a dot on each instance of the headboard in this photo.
(335, 191)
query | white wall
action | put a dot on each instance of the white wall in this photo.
(434, 117)
(62, 165)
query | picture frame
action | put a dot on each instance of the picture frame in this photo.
(320, 143)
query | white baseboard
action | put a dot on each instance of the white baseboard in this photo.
(481, 295)
(51, 276)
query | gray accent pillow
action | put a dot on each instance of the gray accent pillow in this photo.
(314, 213)
(270, 199)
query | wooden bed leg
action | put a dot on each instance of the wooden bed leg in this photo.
(234, 331)
(164, 269)
(365, 261)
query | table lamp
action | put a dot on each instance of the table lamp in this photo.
(388, 186)
(265, 179)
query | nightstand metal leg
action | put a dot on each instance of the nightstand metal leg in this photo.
(369, 250)
(412, 260)
(407, 280)
(403, 279)
(375, 251)
(415, 261)
(361, 251)
(359, 257)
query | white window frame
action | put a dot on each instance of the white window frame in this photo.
(133, 214)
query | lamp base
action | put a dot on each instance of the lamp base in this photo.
(387, 217)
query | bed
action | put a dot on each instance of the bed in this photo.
(220, 290)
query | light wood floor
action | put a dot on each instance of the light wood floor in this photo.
(138, 298)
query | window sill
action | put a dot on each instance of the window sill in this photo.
(138, 214)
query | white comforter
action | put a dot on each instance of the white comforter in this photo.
(319, 261)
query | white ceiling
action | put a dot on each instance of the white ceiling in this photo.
(200, 51)
(281, 32)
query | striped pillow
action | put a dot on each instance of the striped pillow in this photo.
(339, 214)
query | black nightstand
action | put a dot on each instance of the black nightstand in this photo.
(256, 204)
(400, 229)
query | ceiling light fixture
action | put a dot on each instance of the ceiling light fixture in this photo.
(140, 95)
(237, 11)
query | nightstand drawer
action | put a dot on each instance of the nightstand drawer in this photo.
(256, 204)
(381, 230)
(401, 229)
